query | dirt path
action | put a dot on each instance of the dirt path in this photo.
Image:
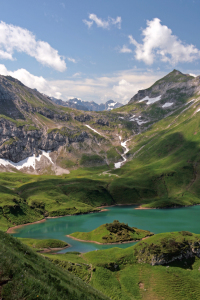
(107, 173)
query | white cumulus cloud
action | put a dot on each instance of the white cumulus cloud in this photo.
(14, 38)
(125, 49)
(72, 60)
(78, 74)
(32, 81)
(106, 24)
(120, 86)
(194, 75)
(124, 90)
(158, 40)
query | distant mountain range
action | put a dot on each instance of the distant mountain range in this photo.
(86, 105)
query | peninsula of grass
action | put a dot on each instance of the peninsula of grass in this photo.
(44, 244)
(110, 233)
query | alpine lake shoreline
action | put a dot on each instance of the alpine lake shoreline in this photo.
(12, 230)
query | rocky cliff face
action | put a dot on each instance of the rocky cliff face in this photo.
(165, 250)
(31, 123)
(17, 143)
(187, 251)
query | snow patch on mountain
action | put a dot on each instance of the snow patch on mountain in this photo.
(93, 129)
(138, 120)
(112, 104)
(150, 100)
(27, 162)
(167, 104)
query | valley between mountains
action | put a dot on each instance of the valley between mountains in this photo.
(56, 160)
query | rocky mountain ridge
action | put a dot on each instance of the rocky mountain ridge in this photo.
(168, 86)
(31, 123)
(164, 97)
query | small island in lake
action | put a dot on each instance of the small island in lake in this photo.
(111, 233)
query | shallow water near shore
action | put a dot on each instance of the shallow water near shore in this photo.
(154, 220)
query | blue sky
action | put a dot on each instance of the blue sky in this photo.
(97, 50)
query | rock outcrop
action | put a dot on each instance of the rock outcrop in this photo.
(102, 122)
(174, 247)
(83, 118)
(17, 143)
(31, 122)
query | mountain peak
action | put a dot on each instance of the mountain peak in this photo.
(170, 83)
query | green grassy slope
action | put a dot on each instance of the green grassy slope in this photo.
(164, 164)
(27, 275)
(114, 232)
(117, 273)
(29, 198)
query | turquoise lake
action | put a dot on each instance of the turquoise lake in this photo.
(154, 220)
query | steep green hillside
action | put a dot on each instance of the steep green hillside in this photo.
(27, 198)
(163, 168)
(27, 275)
